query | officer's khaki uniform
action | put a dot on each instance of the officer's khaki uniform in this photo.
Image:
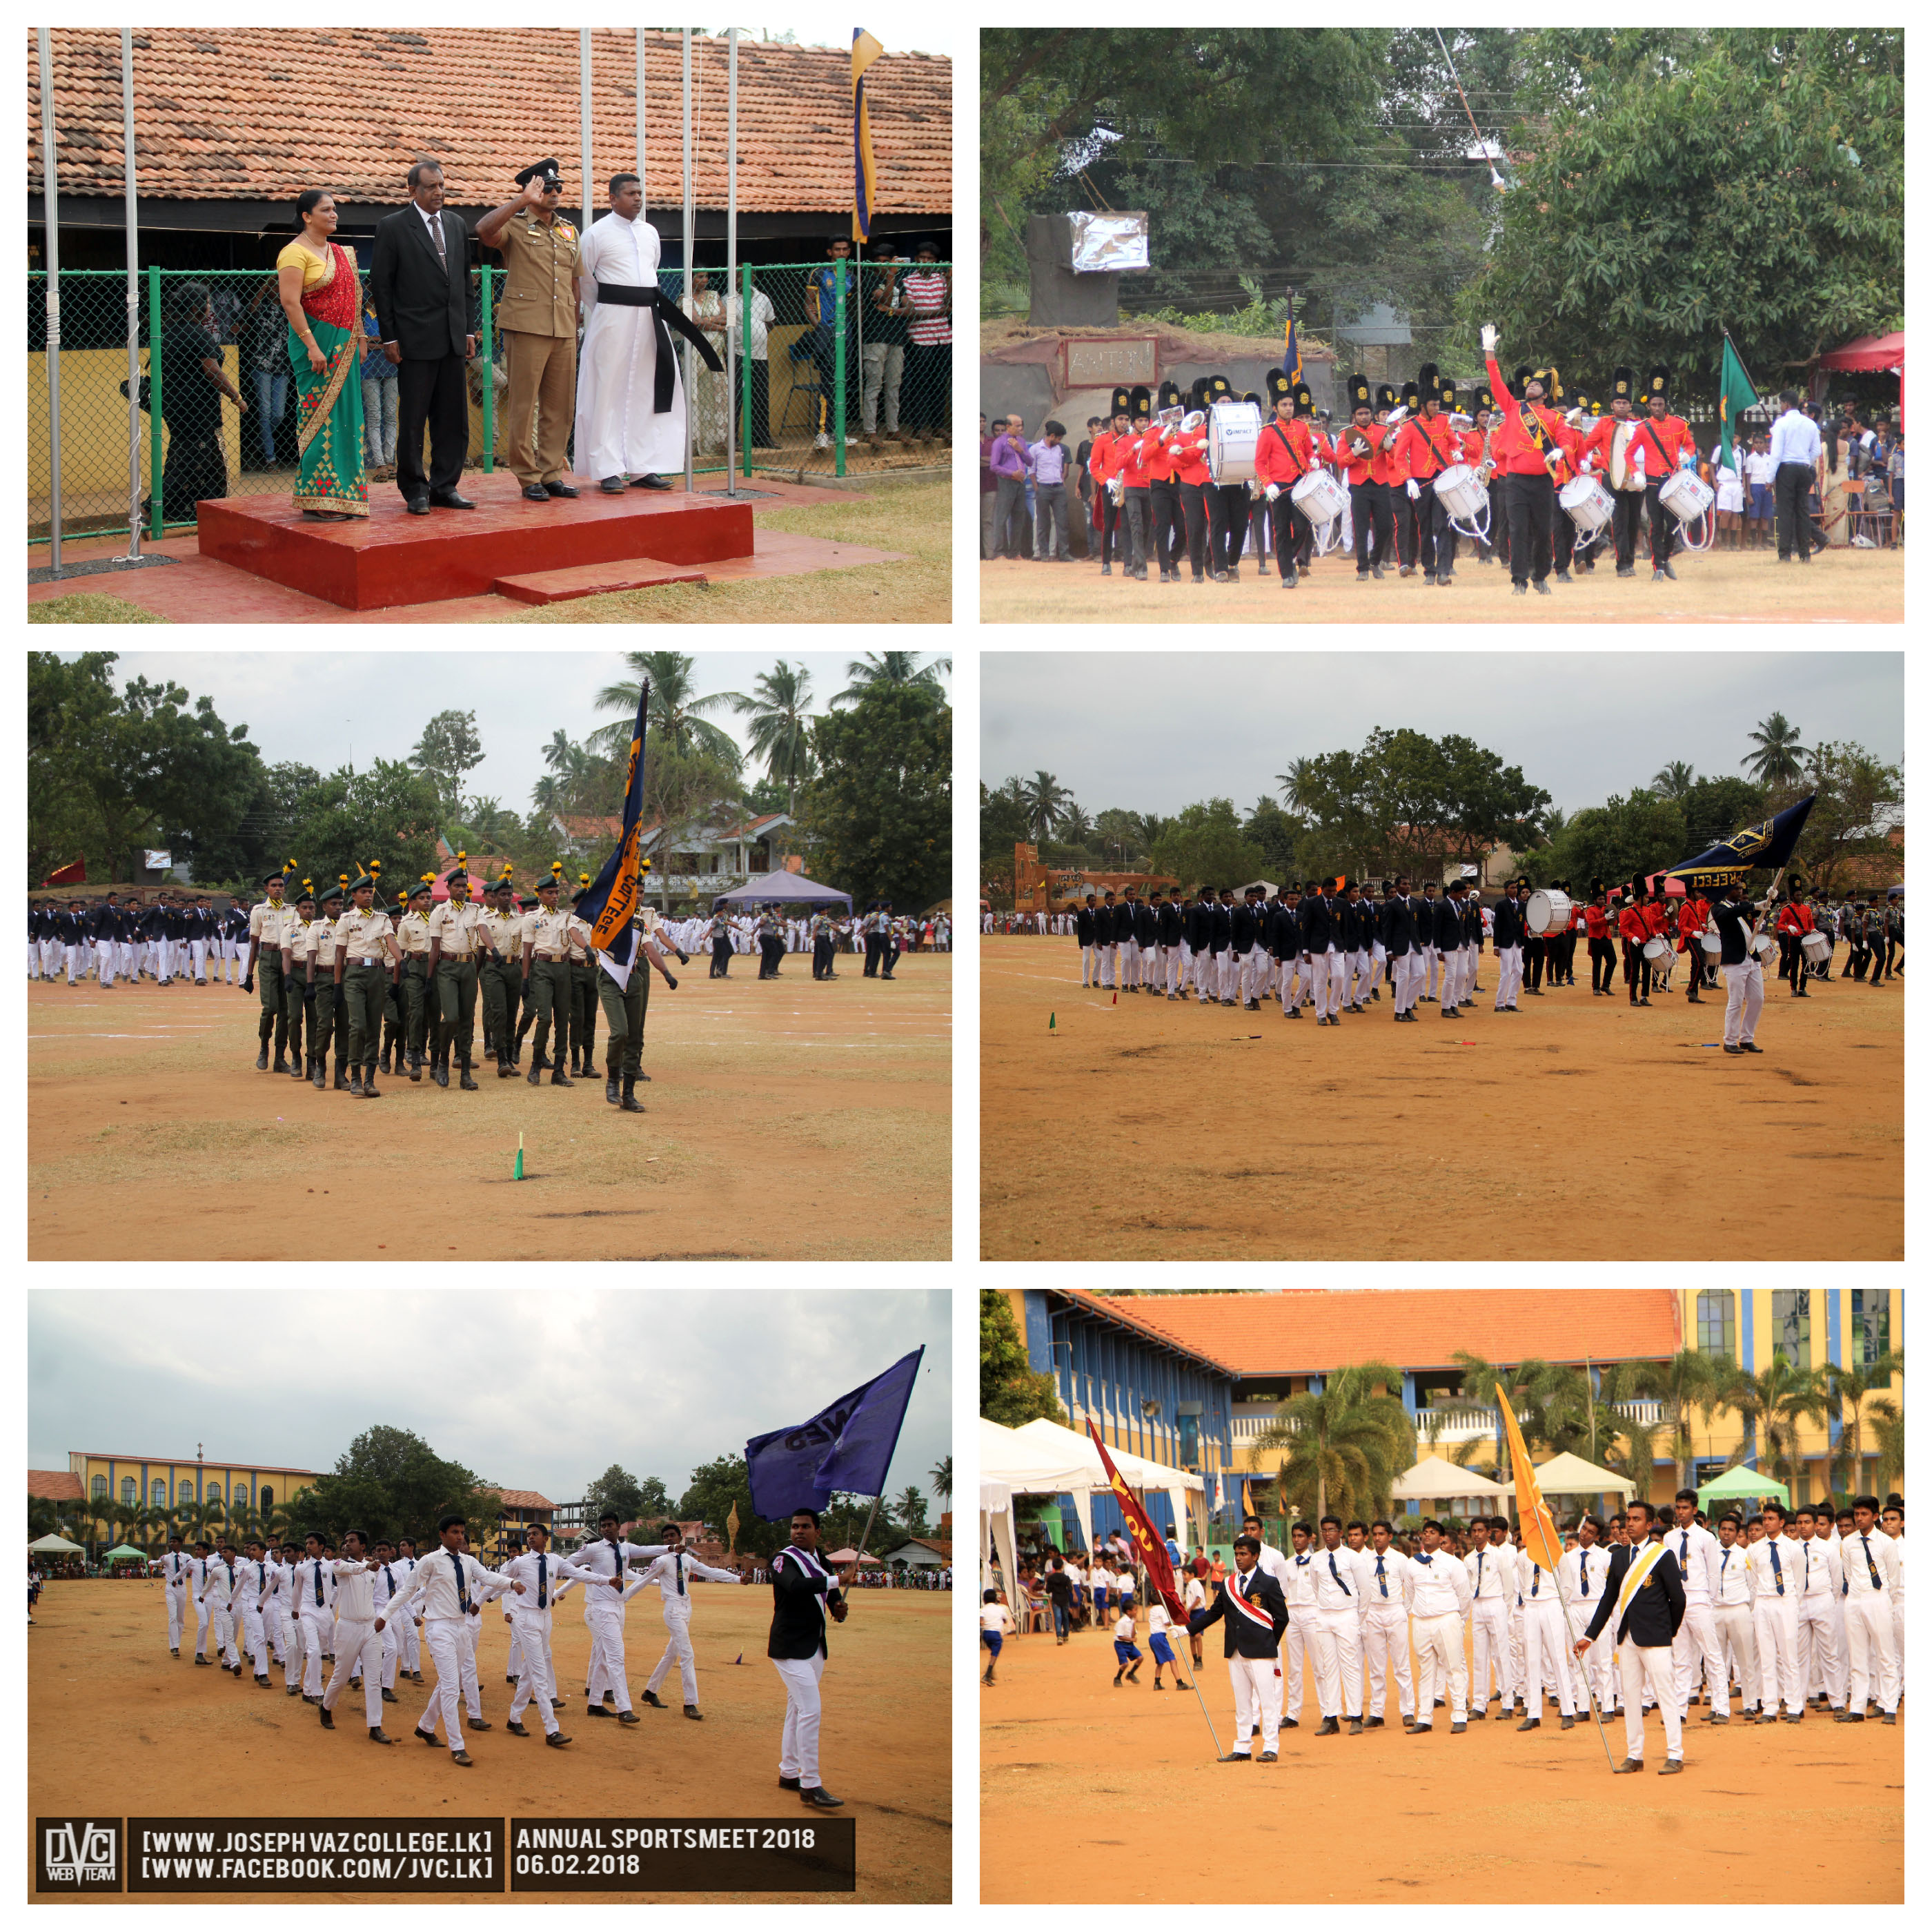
(360, 937)
(583, 977)
(454, 926)
(412, 936)
(502, 979)
(547, 930)
(537, 315)
(323, 1027)
(265, 927)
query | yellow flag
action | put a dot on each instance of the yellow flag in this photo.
(865, 50)
(1539, 1527)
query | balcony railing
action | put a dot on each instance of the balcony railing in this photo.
(1458, 1425)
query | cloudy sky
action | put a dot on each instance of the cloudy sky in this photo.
(1156, 731)
(328, 709)
(532, 1391)
(925, 33)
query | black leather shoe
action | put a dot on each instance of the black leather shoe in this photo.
(696, 1716)
(652, 481)
(390, 1697)
(612, 486)
(417, 506)
(656, 1703)
(628, 1718)
(787, 1784)
(1329, 1728)
(596, 1711)
(821, 1799)
(478, 1724)
(515, 1730)
(535, 493)
(561, 490)
(327, 1719)
(377, 1736)
(448, 500)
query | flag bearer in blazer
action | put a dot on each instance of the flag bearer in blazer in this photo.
(1644, 1594)
(805, 1593)
(1250, 1606)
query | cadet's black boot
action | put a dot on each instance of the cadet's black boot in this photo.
(611, 1085)
(535, 1076)
(318, 1076)
(369, 1082)
(355, 1083)
(558, 1077)
(416, 1067)
(298, 1069)
(629, 1104)
(341, 1078)
(466, 1084)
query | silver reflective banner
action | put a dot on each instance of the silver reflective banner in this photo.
(1109, 243)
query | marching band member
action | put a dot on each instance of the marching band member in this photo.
(1794, 921)
(1161, 463)
(1191, 472)
(1608, 448)
(1425, 446)
(1258, 504)
(1401, 505)
(1530, 436)
(1488, 421)
(1355, 449)
(1227, 505)
(1136, 482)
(1104, 464)
(1285, 452)
(1693, 916)
(1663, 439)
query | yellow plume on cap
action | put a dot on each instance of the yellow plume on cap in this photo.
(375, 867)
(342, 878)
(429, 878)
(288, 864)
(583, 878)
(557, 866)
(645, 867)
(462, 858)
(508, 869)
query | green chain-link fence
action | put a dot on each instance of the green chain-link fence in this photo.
(812, 398)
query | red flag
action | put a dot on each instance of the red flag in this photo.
(75, 874)
(1152, 1547)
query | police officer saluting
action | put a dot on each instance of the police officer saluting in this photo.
(538, 315)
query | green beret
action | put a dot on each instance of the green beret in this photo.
(361, 880)
(331, 895)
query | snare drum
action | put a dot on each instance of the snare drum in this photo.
(1459, 492)
(1711, 943)
(1587, 504)
(1547, 912)
(1817, 948)
(1319, 498)
(1233, 430)
(1657, 949)
(1685, 495)
(1764, 944)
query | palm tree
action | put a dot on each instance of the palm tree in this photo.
(781, 732)
(1690, 1379)
(559, 753)
(1561, 1405)
(940, 1476)
(1043, 796)
(1343, 1448)
(1076, 827)
(1776, 1402)
(909, 1508)
(1847, 1390)
(1298, 783)
(676, 711)
(43, 1518)
(1478, 1391)
(1888, 1435)
(1778, 759)
(900, 668)
(1636, 1457)
(1674, 781)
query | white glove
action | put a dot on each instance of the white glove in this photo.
(1274, 490)
(1489, 338)
(1414, 490)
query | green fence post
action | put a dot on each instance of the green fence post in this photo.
(155, 454)
(489, 373)
(744, 367)
(838, 369)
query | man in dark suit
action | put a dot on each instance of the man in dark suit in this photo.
(1251, 1608)
(1646, 1628)
(420, 284)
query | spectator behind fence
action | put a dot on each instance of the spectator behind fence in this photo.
(708, 411)
(928, 290)
(379, 396)
(266, 336)
(193, 383)
(884, 320)
(822, 294)
(757, 354)
(323, 300)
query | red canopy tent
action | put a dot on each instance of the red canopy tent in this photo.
(1870, 353)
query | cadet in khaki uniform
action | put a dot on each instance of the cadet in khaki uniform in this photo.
(329, 1021)
(454, 937)
(537, 315)
(365, 948)
(297, 990)
(583, 977)
(624, 1008)
(412, 936)
(546, 955)
(502, 975)
(264, 948)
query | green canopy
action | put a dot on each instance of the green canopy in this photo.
(1740, 1482)
(127, 1549)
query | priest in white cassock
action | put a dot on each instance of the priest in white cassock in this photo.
(631, 410)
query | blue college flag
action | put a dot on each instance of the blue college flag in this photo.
(848, 1445)
(610, 905)
(1770, 844)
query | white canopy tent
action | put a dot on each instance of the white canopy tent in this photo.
(1052, 1441)
(1568, 1475)
(1435, 1480)
(57, 1546)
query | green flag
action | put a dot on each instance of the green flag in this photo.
(1735, 396)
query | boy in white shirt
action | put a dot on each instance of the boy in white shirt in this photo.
(1159, 1623)
(1125, 1648)
(1192, 1598)
(994, 1622)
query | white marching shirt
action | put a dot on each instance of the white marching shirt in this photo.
(618, 432)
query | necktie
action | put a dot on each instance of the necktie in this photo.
(462, 1585)
(1683, 1553)
(1425, 1559)
(1871, 1567)
(388, 1580)
(261, 1578)
(679, 1560)
(436, 231)
(1337, 1575)
(1777, 1568)
(1479, 1555)
(318, 1579)
(543, 1581)
(1535, 1579)
(1807, 1590)
(616, 1557)
(1583, 1569)
(1380, 1579)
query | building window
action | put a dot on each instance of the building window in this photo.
(1717, 1322)
(241, 1496)
(1871, 1323)
(215, 1489)
(158, 1493)
(131, 1491)
(1791, 1325)
(98, 1489)
(268, 1494)
(1190, 1428)
(761, 858)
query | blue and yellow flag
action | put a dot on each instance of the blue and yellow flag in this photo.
(1769, 844)
(613, 898)
(1290, 361)
(864, 174)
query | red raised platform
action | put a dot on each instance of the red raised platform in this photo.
(391, 558)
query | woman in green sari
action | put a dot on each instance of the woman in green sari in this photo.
(323, 300)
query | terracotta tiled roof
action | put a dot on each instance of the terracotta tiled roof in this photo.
(1315, 1331)
(577, 827)
(248, 113)
(59, 1486)
(523, 1499)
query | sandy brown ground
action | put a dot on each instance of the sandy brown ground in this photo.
(1841, 586)
(116, 1726)
(1211, 1133)
(151, 1136)
(1070, 1768)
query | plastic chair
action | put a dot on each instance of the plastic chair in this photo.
(813, 390)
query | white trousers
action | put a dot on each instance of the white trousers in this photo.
(1869, 1636)
(472, 1691)
(313, 1632)
(1128, 971)
(607, 1659)
(798, 1746)
(103, 957)
(1545, 1648)
(197, 950)
(1207, 976)
(1109, 959)
(1489, 1618)
(1319, 965)
(1697, 1641)
(449, 1649)
(1385, 1648)
(1744, 1001)
(1774, 1623)
(253, 1644)
(1171, 955)
(677, 1645)
(1089, 972)
(1738, 1634)
(1897, 1639)
(1297, 1649)
(222, 1616)
(1509, 976)
(177, 1597)
(408, 1645)
(1438, 1657)
(1254, 964)
(1338, 1661)
(359, 1649)
(1257, 1682)
(1646, 1667)
(537, 1684)
(1821, 1657)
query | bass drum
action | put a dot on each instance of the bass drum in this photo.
(1547, 912)
(1319, 498)
(1233, 430)
(1685, 495)
(1817, 948)
(1764, 944)
(1587, 504)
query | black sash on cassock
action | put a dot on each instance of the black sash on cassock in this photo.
(623, 296)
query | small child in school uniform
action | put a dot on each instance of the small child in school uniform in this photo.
(994, 1622)
(1124, 1649)
(1158, 1623)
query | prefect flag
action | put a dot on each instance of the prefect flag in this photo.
(1153, 1548)
(1539, 1527)
(848, 1445)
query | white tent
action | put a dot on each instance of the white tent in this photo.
(1435, 1479)
(58, 1545)
(1009, 1467)
(1568, 1475)
(1052, 1441)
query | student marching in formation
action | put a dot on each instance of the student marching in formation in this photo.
(672, 1572)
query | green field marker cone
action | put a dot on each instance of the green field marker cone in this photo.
(1052, 1018)
(519, 1175)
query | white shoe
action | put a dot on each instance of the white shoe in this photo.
(821, 441)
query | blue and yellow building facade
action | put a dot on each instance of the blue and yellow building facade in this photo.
(179, 1483)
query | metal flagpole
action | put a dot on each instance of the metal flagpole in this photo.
(133, 300)
(690, 257)
(641, 187)
(742, 338)
(1582, 1670)
(50, 210)
(583, 118)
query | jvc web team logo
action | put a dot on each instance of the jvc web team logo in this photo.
(79, 1855)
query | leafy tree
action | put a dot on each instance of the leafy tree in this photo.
(1002, 823)
(940, 1476)
(616, 1490)
(1715, 808)
(1342, 1449)
(448, 749)
(1205, 845)
(879, 814)
(713, 1491)
(1679, 181)
(1076, 827)
(1690, 1380)
(1888, 1439)
(781, 727)
(1860, 798)
(1615, 840)
(1045, 798)
(1011, 1392)
(911, 1507)
(390, 1482)
(1674, 781)
(1276, 835)
(1778, 761)
(387, 812)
